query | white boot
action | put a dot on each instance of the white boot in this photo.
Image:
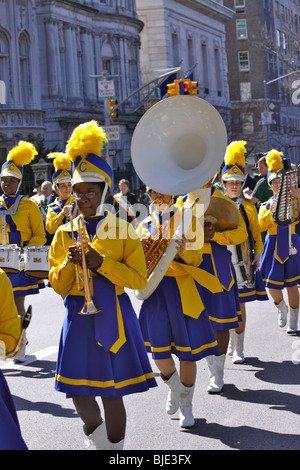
(292, 328)
(116, 445)
(98, 438)
(238, 350)
(186, 418)
(282, 310)
(231, 343)
(173, 383)
(216, 373)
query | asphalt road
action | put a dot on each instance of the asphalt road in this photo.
(258, 409)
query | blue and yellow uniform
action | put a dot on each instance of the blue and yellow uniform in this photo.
(278, 268)
(10, 329)
(62, 174)
(258, 291)
(24, 228)
(55, 217)
(173, 319)
(112, 337)
(220, 296)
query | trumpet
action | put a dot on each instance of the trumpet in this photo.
(89, 307)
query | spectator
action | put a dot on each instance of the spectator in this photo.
(123, 202)
(261, 192)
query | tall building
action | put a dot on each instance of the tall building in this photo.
(52, 55)
(189, 34)
(263, 48)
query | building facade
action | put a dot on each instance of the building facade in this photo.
(52, 55)
(262, 44)
(189, 34)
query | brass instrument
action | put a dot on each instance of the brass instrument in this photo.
(177, 146)
(25, 323)
(288, 207)
(89, 307)
(71, 218)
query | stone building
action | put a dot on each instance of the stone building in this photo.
(48, 52)
(263, 47)
(189, 34)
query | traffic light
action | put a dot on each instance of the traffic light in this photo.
(173, 88)
(112, 104)
(189, 87)
(186, 86)
(194, 88)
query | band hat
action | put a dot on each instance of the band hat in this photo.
(274, 163)
(62, 167)
(234, 168)
(84, 151)
(19, 156)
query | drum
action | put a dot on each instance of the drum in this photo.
(36, 261)
(10, 259)
(242, 257)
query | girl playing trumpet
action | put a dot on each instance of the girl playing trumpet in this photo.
(100, 354)
(59, 210)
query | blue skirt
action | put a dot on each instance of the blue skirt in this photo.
(85, 368)
(257, 292)
(223, 307)
(24, 285)
(10, 434)
(167, 330)
(278, 275)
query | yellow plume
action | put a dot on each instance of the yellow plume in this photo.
(61, 161)
(235, 153)
(273, 160)
(22, 154)
(86, 138)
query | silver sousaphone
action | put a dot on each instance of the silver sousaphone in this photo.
(177, 147)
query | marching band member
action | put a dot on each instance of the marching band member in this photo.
(59, 210)
(10, 330)
(279, 268)
(22, 222)
(100, 354)
(173, 319)
(233, 177)
(220, 295)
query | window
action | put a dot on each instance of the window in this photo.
(218, 72)
(239, 3)
(190, 53)
(247, 123)
(4, 67)
(241, 29)
(244, 63)
(175, 48)
(205, 68)
(24, 47)
(245, 90)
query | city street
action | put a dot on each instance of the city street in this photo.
(258, 409)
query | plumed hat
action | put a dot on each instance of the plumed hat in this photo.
(234, 168)
(84, 150)
(274, 163)
(22, 154)
(62, 165)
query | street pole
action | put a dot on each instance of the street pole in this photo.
(266, 98)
